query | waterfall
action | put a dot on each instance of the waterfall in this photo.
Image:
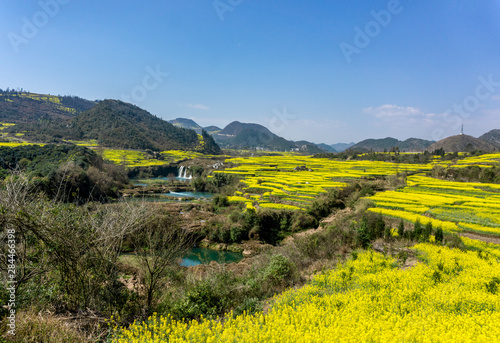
(186, 176)
(183, 173)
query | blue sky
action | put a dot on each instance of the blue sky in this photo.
(325, 71)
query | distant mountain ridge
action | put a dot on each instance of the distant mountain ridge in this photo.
(386, 144)
(49, 118)
(327, 148)
(342, 146)
(237, 135)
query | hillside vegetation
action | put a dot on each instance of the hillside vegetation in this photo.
(116, 124)
(25, 107)
(109, 123)
(64, 172)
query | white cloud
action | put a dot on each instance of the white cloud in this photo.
(403, 121)
(196, 106)
(392, 111)
(495, 98)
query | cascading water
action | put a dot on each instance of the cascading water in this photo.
(183, 173)
(186, 176)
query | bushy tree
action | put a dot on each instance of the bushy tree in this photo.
(401, 229)
(427, 232)
(417, 230)
(439, 235)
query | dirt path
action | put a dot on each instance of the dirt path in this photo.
(482, 238)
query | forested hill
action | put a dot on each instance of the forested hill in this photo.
(52, 119)
(26, 107)
(117, 124)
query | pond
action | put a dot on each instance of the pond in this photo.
(175, 196)
(204, 256)
(190, 194)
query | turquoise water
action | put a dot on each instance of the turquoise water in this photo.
(197, 195)
(204, 256)
(190, 194)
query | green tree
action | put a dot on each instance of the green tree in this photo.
(439, 235)
(401, 228)
(417, 230)
(427, 232)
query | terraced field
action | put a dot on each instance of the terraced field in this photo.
(455, 206)
(135, 158)
(284, 181)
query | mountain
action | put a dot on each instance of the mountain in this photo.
(25, 107)
(238, 135)
(186, 124)
(414, 144)
(212, 129)
(492, 137)
(387, 144)
(327, 148)
(117, 124)
(339, 147)
(462, 143)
